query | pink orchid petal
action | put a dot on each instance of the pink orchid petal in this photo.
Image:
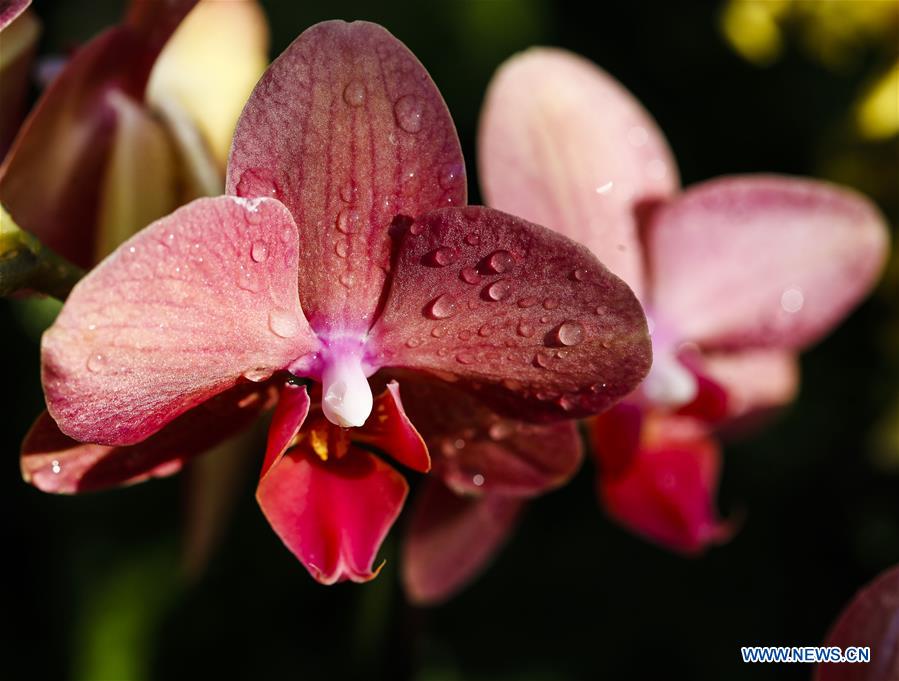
(565, 145)
(10, 9)
(177, 314)
(479, 452)
(390, 430)
(53, 462)
(763, 261)
(334, 514)
(515, 312)
(289, 416)
(754, 380)
(50, 179)
(452, 539)
(348, 130)
(666, 492)
(871, 619)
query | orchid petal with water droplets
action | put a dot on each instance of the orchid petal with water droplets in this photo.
(524, 317)
(348, 130)
(190, 306)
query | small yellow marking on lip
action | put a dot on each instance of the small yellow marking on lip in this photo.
(319, 442)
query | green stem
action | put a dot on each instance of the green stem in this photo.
(27, 265)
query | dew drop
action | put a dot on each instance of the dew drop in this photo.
(259, 251)
(348, 221)
(283, 323)
(466, 358)
(486, 330)
(542, 360)
(470, 275)
(348, 192)
(340, 248)
(544, 319)
(550, 303)
(570, 333)
(473, 239)
(527, 301)
(55, 467)
(256, 375)
(499, 262)
(449, 173)
(442, 307)
(499, 290)
(354, 93)
(416, 228)
(247, 281)
(464, 335)
(605, 188)
(579, 274)
(96, 362)
(566, 402)
(597, 387)
(257, 182)
(413, 343)
(600, 310)
(525, 329)
(443, 256)
(438, 332)
(346, 279)
(792, 300)
(478, 480)
(408, 111)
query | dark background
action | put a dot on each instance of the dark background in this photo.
(91, 586)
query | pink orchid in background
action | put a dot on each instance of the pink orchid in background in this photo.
(137, 122)
(868, 621)
(737, 274)
(342, 253)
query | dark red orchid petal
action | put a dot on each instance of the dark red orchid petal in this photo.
(53, 462)
(10, 9)
(390, 430)
(50, 179)
(667, 492)
(477, 451)
(452, 538)
(348, 130)
(190, 306)
(615, 436)
(289, 416)
(871, 620)
(523, 316)
(334, 514)
(763, 261)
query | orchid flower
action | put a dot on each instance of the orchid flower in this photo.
(342, 253)
(737, 274)
(869, 620)
(123, 134)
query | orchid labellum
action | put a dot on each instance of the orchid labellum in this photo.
(343, 253)
(737, 274)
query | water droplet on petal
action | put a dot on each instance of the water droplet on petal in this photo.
(55, 467)
(466, 358)
(96, 362)
(499, 290)
(257, 182)
(478, 480)
(408, 111)
(283, 323)
(445, 255)
(473, 239)
(470, 275)
(566, 402)
(464, 334)
(527, 301)
(438, 332)
(500, 430)
(348, 221)
(442, 307)
(348, 192)
(341, 248)
(259, 251)
(525, 329)
(542, 360)
(600, 309)
(413, 343)
(605, 188)
(346, 279)
(486, 329)
(579, 274)
(416, 228)
(248, 281)
(570, 333)
(792, 300)
(499, 262)
(256, 375)
(550, 303)
(354, 93)
(449, 173)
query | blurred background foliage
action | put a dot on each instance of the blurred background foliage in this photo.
(92, 586)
